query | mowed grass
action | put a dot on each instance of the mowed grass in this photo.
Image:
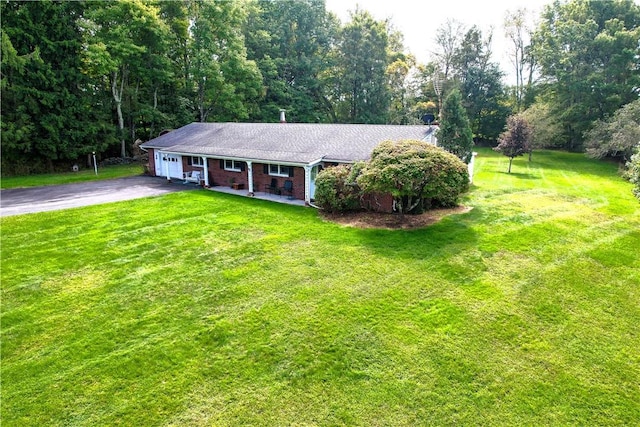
(201, 308)
(107, 172)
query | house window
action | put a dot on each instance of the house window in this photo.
(232, 165)
(197, 161)
(280, 170)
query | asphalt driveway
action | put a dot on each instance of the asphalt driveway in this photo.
(20, 201)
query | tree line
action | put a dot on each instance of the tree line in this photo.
(95, 76)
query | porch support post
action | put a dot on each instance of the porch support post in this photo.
(166, 164)
(250, 177)
(307, 184)
(206, 171)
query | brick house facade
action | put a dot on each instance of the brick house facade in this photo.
(253, 156)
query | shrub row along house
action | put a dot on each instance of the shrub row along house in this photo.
(276, 157)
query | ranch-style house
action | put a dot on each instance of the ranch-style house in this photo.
(269, 157)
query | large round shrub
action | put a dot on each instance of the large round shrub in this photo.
(418, 175)
(337, 190)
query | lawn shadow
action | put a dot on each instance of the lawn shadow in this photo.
(519, 175)
(450, 234)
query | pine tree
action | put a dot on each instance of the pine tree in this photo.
(455, 132)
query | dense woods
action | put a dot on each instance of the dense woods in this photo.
(87, 76)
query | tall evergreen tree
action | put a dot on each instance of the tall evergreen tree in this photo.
(455, 134)
(480, 82)
(49, 112)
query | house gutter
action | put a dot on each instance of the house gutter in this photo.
(243, 159)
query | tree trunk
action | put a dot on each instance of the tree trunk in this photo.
(117, 97)
(400, 207)
(412, 205)
(152, 126)
(510, 160)
(201, 95)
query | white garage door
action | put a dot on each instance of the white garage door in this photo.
(171, 161)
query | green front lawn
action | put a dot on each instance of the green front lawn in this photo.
(107, 172)
(200, 308)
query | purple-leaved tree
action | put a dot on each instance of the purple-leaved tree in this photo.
(516, 140)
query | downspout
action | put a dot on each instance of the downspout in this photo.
(307, 185)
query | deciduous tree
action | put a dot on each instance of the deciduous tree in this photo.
(292, 42)
(516, 140)
(123, 40)
(480, 83)
(634, 171)
(363, 95)
(588, 54)
(518, 30)
(617, 136)
(223, 83)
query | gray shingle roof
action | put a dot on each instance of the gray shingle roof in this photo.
(290, 142)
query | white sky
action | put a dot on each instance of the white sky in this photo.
(418, 20)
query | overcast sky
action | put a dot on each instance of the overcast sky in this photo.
(418, 20)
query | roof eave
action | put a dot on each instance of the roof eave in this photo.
(242, 159)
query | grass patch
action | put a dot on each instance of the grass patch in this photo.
(107, 172)
(200, 308)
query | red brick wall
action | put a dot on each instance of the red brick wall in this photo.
(219, 176)
(261, 180)
(378, 202)
(186, 167)
(152, 162)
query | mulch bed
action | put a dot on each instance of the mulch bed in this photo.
(392, 221)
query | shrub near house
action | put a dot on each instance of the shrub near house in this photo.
(337, 189)
(417, 175)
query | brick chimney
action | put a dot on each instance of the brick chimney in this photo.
(283, 118)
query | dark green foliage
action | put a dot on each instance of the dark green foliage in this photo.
(418, 175)
(455, 134)
(291, 42)
(588, 53)
(360, 79)
(49, 112)
(337, 189)
(516, 140)
(91, 76)
(482, 93)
